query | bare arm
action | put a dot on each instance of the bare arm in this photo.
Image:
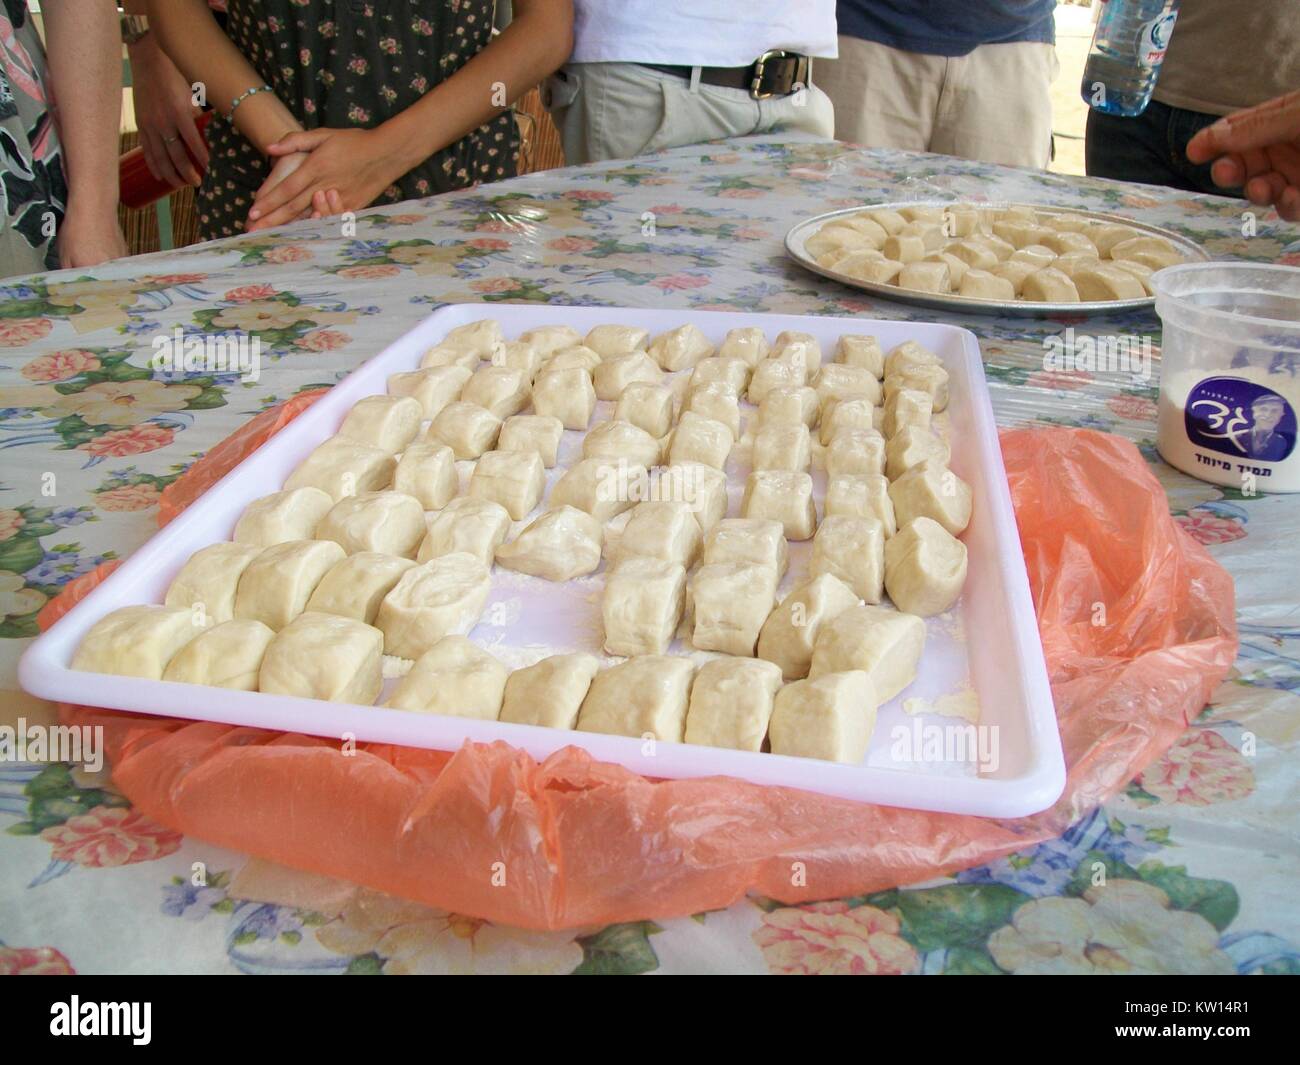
(192, 39)
(164, 110)
(84, 49)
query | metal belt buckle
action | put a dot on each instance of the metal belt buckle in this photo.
(760, 64)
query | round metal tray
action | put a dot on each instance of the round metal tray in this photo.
(799, 234)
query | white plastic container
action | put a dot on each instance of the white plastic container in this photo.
(987, 647)
(1230, 373)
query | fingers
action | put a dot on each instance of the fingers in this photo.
(1263, 190)
(194, 141)
(1228, 172)
(298, 206)
(180, 160)
(1289, 205)
(335, 201)
(272, 199)
(158, 159)
(1271, 122)
(304, 141)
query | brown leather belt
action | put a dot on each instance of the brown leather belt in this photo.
(773, 73)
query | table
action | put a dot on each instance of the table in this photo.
(1206, 839)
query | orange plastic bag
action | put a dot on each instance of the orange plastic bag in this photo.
(570, 842)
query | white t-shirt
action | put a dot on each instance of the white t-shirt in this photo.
(705, 33)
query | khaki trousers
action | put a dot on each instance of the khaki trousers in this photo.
(992, 105)
(618, 110)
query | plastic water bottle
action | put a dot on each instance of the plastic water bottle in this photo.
(1127, 50)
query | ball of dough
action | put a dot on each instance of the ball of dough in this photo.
(975, 255)
(454, 677)
(579, 358)
(788, 635)
(622, 440)
(729, 371)
(557, 546)
(731, 703)
(647, 406)
(775, 373)
(433, 389)
(1015, 272)
(981, 284)
(861, 495)
(783, 496)
(835, 383)
(782, 447)
(717, 401)
(341, 467)
(701, 487)
(138, 641)
(228, 655)
(1049, 285)
(789, 405)
(642, 605)
(354, 587)
(858, 413)
(442, 597)
(925, 568)
(642, 697)
(680, 348)
(276, 585)
(515, 479)
(904, 248)
(474, 526)
(885, 644)
(441, 355)
(911, 446)
(872, 267)
(548, 339)
(539, 433)
(904, 407)
(793, 345)
(482, 337)
(610, 340)
(700, 439)
(1064, 242)
(466, 428)
(908, 356)
(324, 656)
(209, 579)
(860, 350)
(427, 473)
(1106, 281)
(931, 490)
(498, 389)
(281, 516)
(662, 529)
(1035, 255)
(830, 718)
(855, 451)
(614, 375)
(731, 600)
(890, 221)
(932, 380)
(748, 344)
(386, 422)
(550, 693)
(603, 488)
(852, 549)
(566, 395)
(758, 541)
(516, 355)
(926, 276)
(391, 523)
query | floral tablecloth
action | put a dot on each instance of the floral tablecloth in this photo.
(1203, 847)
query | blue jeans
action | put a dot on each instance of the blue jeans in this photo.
(1151, 148)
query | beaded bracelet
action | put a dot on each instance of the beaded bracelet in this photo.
(245, 95)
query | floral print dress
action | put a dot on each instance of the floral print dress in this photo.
(354, 63)
(33, 192)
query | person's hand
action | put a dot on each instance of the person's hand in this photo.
(1259, 150)
(164, 114)
(89, 236)
(356, 164)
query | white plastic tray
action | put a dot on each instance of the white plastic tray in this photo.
(989, 641)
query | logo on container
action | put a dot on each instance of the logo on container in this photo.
(1240, 418)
